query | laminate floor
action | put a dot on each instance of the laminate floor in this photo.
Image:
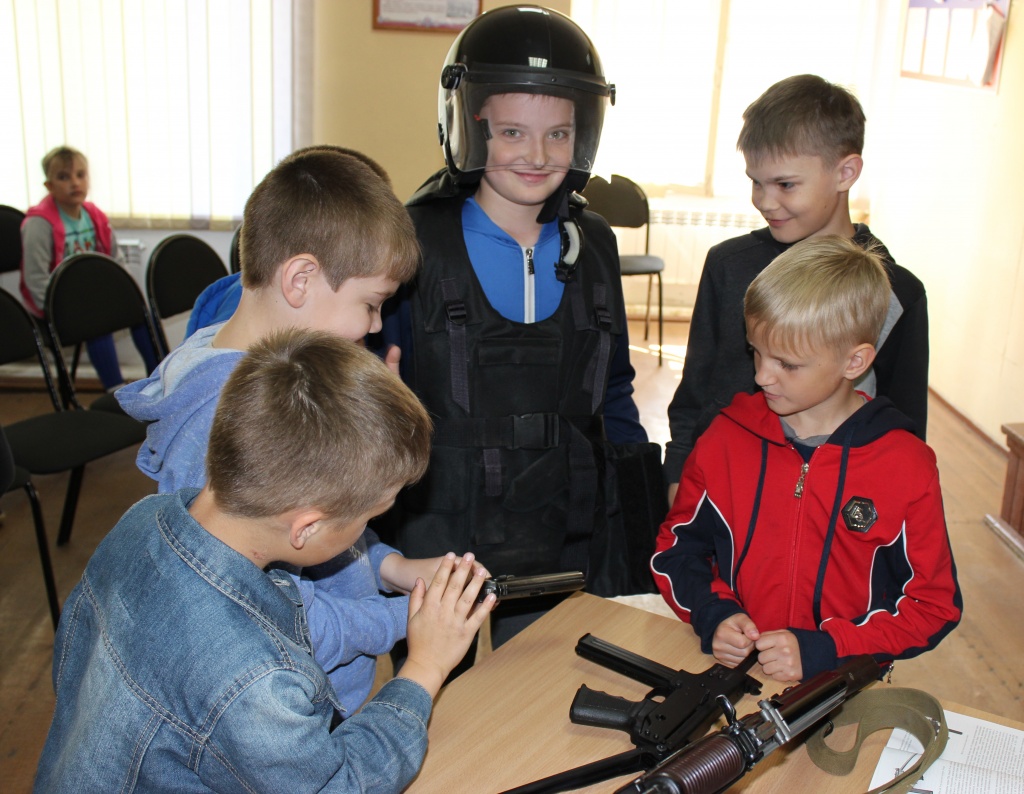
(978, 664)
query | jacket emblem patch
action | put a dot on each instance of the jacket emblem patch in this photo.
(859, 514)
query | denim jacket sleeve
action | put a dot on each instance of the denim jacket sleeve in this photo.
(275, 735)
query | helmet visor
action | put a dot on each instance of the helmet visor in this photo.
(563, 111)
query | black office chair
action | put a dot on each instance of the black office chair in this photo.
(236, 259)
(623, 203)
(12, 478)
(67, 439)
(10, 238)
(90, 295)
(180, 268)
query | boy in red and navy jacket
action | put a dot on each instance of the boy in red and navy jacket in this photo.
(808, 526)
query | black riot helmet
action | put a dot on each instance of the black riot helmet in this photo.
(520, 49)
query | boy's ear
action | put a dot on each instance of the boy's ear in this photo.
(859, 361)
(302, 526)
(297, 275)
(848, 171)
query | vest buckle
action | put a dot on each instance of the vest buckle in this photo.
(535, 431)
(456, 311)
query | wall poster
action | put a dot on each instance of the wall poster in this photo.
(955, 41)
(440, 15)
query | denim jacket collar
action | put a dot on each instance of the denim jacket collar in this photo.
(248, 586)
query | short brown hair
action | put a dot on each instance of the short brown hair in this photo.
(61, 156)
(377, 168)
(803, 115)
(309, 420)
(825, 293)
(332, 205)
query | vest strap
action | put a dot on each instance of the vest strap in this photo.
(600, 362)
(455, 308)
(492, 472)
(528, 431)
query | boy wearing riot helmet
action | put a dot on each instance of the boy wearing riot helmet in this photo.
(514, 333)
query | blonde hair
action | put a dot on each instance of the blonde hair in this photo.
(61, 156)
(803, 115)
(331, 204)
(310, 420)
(822, 293)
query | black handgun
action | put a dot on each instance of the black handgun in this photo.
(680, 708)
(510, 586)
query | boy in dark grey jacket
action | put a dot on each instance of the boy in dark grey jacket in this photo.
(802, 142)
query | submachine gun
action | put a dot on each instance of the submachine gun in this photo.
(681, 708)
(717, 761)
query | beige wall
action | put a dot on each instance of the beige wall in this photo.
(948, 170)
(376, 90)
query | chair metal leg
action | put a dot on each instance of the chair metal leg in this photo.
(44, 553)
(74, 361)
(70, 504)
(661, 322)
(647, 314)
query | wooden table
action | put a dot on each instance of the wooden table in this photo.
(506, 721)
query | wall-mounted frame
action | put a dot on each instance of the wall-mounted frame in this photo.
(955, 41)
(444, 16)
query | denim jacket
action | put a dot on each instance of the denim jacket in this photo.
(350, 621)
(180, 666)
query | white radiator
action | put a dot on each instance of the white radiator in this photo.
(682, 238)
(135, 263)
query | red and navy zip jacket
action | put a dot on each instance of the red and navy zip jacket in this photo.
(849, 551)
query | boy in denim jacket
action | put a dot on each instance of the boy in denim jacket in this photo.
(183, 662)
(324, 241)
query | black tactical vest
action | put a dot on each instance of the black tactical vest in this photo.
(517, 472)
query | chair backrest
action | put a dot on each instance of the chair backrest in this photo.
(20, 340)
(621, 202)
(236, 259)
(90, 295)
(180, 267)
(10, 238)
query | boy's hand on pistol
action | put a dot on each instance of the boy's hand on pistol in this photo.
(443, 620)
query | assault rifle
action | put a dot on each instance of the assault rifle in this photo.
(719, 760)
(680, 709)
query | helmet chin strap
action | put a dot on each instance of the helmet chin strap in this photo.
(557, 207)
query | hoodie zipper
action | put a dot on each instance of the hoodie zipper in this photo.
(799, 491)
(529, 305)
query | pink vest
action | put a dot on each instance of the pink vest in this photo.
(48, 211)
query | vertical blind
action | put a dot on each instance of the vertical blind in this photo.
(661, 56)
(685, 70)
(181, 106)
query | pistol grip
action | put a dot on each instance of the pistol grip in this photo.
(601, 710)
